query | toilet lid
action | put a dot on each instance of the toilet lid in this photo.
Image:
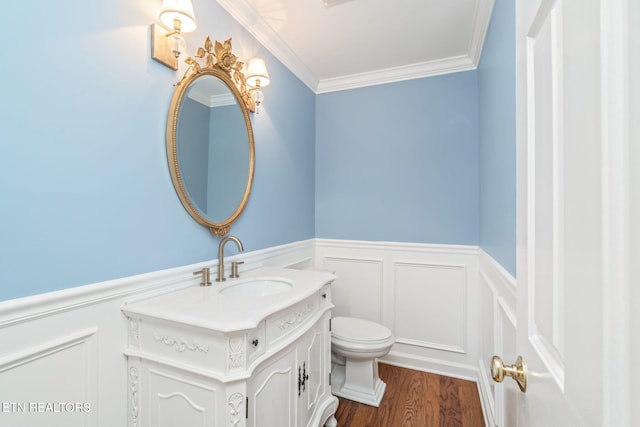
(354, 329)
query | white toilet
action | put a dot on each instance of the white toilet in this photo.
(355, 346)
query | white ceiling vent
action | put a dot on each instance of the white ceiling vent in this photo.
(329, 3)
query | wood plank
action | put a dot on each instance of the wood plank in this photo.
(416, 399)
(472, 415)
(450, 410)
(433, 399)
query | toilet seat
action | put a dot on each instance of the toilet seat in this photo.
(359, 338)
(359, 331)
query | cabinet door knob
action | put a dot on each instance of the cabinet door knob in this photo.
(305, 376)
(255, 342)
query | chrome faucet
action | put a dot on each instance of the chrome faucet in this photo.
(225, 239)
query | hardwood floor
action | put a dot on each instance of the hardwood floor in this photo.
(416, 399)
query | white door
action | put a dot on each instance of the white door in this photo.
(573, 261)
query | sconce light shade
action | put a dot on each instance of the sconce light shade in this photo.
(257, 74)
(181, 10)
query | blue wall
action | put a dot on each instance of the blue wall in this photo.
(496, 85)
(399, 162)
(85, 188)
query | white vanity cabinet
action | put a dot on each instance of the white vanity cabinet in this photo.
(290, 388)
(198, 358)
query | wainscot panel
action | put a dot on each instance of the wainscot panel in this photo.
(62, 361)
(361, 281)
(426, 294)
(66, 364)
(498, 337)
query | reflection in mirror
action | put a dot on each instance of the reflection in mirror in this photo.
(212, 148)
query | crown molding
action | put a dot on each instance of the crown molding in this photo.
(396, 74)
(481, 22)
(244, 13)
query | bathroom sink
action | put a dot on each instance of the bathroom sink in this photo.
(257, 288)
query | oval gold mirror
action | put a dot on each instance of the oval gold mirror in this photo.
(210, 144)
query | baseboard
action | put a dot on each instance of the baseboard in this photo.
(435, 366)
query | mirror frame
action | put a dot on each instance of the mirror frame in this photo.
(220, 63)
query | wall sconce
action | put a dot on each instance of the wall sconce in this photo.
(167, 45)
(257, 77)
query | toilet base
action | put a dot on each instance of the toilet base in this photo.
(358, 381)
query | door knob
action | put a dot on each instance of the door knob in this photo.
(517, 371)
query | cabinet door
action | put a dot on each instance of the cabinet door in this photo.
(177, 398)
(273, 392)
(313, 357)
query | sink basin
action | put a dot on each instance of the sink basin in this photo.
(257, 288)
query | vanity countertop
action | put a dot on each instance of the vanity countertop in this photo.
(206, 307)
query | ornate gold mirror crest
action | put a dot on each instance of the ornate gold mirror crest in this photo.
(213, 180)
(222, 58)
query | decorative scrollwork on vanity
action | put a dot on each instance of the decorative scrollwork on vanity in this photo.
(181, 345)
(133, 394)
(236, 353)
(134, 332)
(236, 400)
(296, 317)
(235, 359)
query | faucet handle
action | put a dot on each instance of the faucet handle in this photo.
(205, 276)
(234, 269)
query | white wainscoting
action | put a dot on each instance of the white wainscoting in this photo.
(426, 294)
(498, 337)
(66, 347)
(448, 306)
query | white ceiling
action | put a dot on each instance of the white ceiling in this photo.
(355, 43)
